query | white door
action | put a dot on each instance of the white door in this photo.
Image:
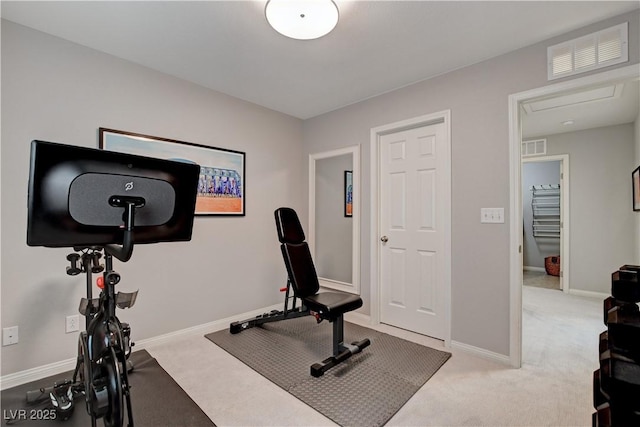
(414, 228)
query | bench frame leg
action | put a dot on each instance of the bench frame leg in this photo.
(341, 351)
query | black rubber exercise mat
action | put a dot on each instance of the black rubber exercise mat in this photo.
(157, 401)
(366, 390)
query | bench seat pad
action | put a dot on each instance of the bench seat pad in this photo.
(330, 305)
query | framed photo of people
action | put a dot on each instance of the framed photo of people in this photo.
(221, 187)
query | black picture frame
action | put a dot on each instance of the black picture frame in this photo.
(348, 194)
(635, 182)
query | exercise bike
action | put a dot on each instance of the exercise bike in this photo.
(87, 199)
(102, 366)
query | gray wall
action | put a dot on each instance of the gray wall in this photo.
(477, 97)
(63, 92)
(333, 245)
(537, 248)
(58, 91)
(601, 223)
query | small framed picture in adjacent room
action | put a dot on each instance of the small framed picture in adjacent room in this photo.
(348, 193)
(635, 178)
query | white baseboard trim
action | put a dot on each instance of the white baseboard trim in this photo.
(216, 325)
(34, 374)
(588, 294)
(481, 352)
(531, 268)
(358, 318)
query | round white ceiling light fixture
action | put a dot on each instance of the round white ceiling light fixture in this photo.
(302, 19)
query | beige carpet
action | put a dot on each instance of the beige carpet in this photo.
(540, 279)
(553, 387)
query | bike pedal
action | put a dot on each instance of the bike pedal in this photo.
(62, 400)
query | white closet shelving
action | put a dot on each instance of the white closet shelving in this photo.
(545, 204)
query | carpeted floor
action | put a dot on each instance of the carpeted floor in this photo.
(366, 390)
(157, 401)
(540, 279)
(553, 387)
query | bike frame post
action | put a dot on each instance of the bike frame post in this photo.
(109, 288)
(86, 264)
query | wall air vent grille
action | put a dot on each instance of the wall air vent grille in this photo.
(535, 147)
(596, 50)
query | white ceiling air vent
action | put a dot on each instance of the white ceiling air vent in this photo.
(596, 50)
(534, 147)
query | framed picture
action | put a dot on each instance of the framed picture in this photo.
(348, 193)
(635, 179)
(221, 188)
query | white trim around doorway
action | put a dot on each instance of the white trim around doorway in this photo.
(515, 191)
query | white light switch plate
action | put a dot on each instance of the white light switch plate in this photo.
(492, 215)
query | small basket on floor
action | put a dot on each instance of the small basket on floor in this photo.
(552, 265)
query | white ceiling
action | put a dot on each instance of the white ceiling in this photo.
(378, 46)
(607, 105)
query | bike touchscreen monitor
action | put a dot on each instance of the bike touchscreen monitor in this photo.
(72, 192)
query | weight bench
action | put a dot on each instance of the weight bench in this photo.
(303, 280)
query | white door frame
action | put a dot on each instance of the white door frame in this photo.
(515, 191)
(564, 213)
(439, 117)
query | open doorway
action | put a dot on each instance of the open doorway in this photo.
(545, 212)
(542, 96)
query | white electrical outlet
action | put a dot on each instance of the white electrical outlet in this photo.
(73, 323)
(10, 335)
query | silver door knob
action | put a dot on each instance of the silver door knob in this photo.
(384, 239)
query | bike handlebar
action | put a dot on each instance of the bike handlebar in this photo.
(123, 252)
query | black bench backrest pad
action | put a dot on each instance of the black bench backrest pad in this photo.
(288, 226)
(302, 272)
